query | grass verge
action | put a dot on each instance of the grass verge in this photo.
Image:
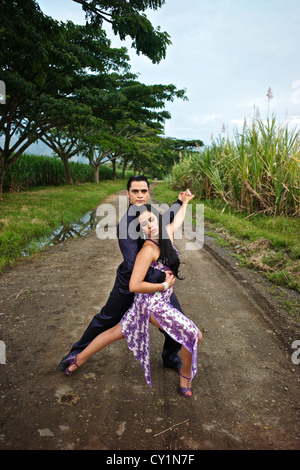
(33, 215)
(268, 244)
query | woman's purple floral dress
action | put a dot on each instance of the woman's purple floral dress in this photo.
(135, 325)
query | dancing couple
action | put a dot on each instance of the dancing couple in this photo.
(146, 280)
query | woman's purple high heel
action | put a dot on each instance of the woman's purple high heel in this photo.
(186, 390)
(71, 360)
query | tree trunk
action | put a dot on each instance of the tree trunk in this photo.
(66, 169)
(1, 187)
(96, 170)
(124, 168)
(114, 169)
(3, 170)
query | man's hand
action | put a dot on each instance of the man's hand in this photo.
(170, 278)
(180, 195)
(187, 192)
(168, 273)
(187, 196)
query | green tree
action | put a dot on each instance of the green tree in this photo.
(66, 144)
(38, 67)
(181, 145)
(164, 153)
(61, 83)
(127, 18)
(93, 86)
(97, 146)
(73, 80)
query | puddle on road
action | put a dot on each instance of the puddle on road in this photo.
(78, 229)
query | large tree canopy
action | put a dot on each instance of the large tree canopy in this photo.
(65, 80)
(48, 68)
(127, 19)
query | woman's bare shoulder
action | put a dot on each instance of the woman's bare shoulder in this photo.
(150, 249)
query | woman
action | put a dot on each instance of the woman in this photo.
(152, 302)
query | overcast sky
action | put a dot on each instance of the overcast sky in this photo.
(226, 54)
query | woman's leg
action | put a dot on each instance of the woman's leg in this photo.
(100, 342)
(186, 369)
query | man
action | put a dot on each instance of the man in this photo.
(121, 298)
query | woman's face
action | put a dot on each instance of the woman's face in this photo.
(149, 224)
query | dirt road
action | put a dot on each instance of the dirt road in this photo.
(246, 393)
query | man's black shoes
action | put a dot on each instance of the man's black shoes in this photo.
(174, 363)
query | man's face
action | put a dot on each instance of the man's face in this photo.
(138, 192)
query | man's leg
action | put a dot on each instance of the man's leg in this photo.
(108, 317)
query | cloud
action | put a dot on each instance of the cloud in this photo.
(296, 93)
(213, 117)
(294, 122)
(238, 122)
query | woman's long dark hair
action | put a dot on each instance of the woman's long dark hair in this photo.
(168, 255)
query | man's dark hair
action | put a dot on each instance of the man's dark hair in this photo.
(136, 178)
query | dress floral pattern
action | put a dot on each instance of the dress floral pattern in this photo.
(135, 326)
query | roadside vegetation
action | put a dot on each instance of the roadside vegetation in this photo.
(258, 172)
(270, 245)
(40, 170)
(251, 191)
(29, 217)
